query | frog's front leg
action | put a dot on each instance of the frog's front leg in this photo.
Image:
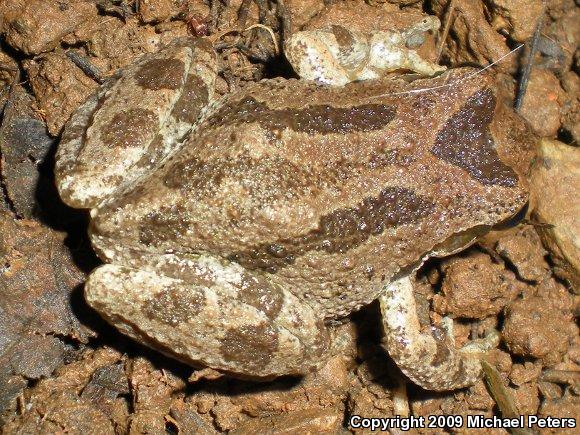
(429, 357)
(209, 312)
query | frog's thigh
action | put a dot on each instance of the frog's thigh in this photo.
(313, 55)
(236, 322)
(428, 358)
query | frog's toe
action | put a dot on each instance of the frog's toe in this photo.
(210, 314)
(429, 357)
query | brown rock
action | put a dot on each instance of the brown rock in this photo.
(8, 9)
(226, 414)
(187, 419)
(562, 33)
(155, 11)
(153, 388)
(397, 2)
(37, 356)
(540, 106)
(146, 422)
(116, 43)
(426, 405)
(230, 405)
(478, 397)
(37, 26)
(549, 390)
(54, 404)
(106, 384)
(559, 295)
(471, 37)
(37, 276)
(523, 249)
(22, 138)
(518, 17)
(561, 408)
(326, 387)
(501, 360)
(524, 373)
(474, 287)
(9, 68)
(535, 327)
(301, 11)
(526, 398)
(59, 86)
(555, 189)
(24, 147)
(363, 401)
(574, 353)
(571, 105)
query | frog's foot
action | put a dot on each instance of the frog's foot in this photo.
(387, 57)
(208, 312)
(428, 358)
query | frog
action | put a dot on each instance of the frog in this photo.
(235, 230)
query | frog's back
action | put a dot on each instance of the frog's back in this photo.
(333, 191)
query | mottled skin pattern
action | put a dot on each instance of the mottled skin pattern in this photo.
(284, 206)
(133, 121)
(337, 55)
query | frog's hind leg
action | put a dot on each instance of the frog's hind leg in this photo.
(209, 312)
(428, 357)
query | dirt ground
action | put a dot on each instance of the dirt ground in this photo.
(64, 370)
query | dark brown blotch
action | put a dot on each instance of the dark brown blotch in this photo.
(260, 294)
(175, 305)
(341, 230)
(460, 373)
(156, 150)
(195, 175)
(250, 346)
(270, 178)
(315, 119)
(344, 38)
(466, 141)
(193, 98)
(130, 128)
(442, 344)
(202, 178)
(156, 74)
(167, 223)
